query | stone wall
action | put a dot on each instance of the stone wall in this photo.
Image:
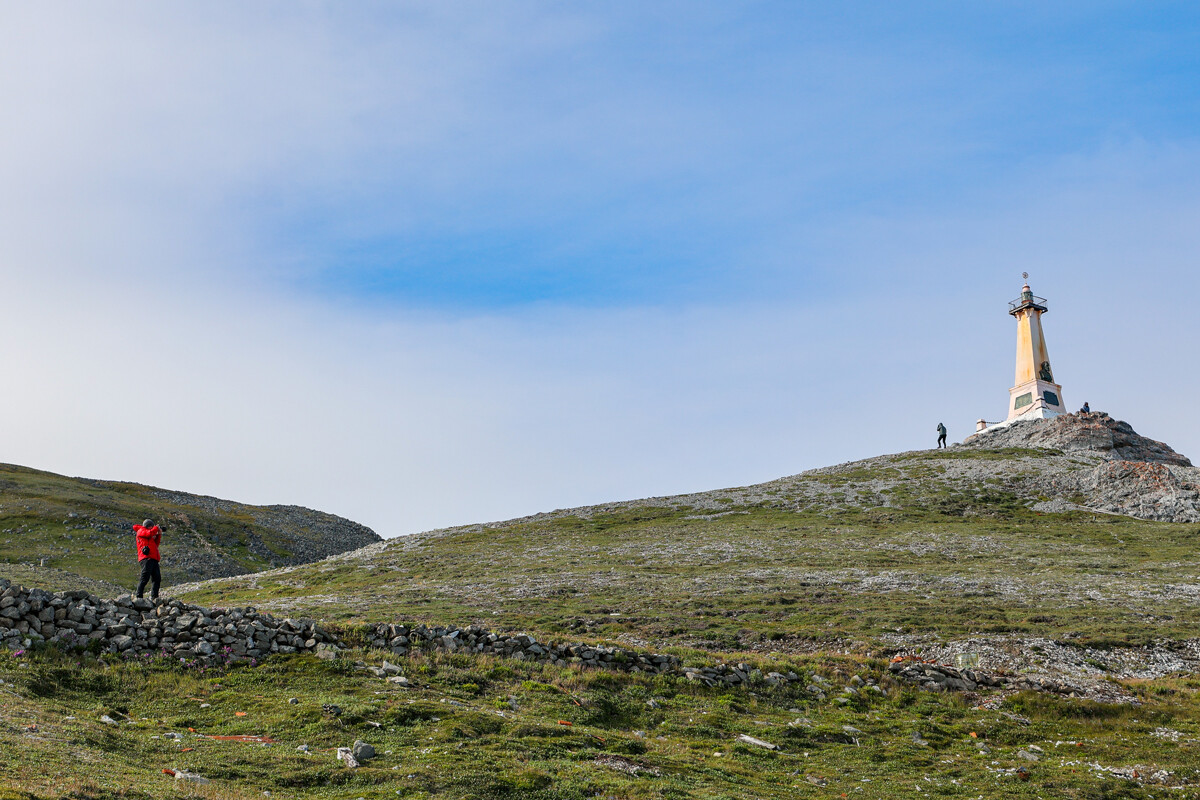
(130, 625)
(174, 629)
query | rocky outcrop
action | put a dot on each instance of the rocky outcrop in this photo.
(1096, 432)
(1107, 466)
(1140, 489)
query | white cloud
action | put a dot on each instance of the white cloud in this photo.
(144, 339)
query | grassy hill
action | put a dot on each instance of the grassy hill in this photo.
(53, 527)
(863, 556)
(1018, 560)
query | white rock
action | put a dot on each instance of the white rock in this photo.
(744, 739)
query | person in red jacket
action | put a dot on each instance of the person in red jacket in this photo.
(149, 536)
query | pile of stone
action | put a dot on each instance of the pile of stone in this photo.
(137, 626)
(738, 674)
(402, 639)
(943, 678)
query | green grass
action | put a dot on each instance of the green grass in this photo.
(780, 575)
(480, 727)
(83, 527)
(951, 563)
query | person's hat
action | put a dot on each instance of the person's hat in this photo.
(148, 523)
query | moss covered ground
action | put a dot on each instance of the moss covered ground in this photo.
(766, 578)
(480, 727)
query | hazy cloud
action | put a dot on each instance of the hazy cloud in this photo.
(431, 264)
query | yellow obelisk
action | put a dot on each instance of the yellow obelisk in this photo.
(1034, 394)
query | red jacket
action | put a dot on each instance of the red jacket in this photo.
(147, 537)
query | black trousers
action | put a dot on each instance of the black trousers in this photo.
(151, 575)
(941, 440)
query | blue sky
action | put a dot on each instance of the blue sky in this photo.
(428, 263)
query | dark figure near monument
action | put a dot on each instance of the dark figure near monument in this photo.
(941, 429)
(1046, 374)
(1086, 408)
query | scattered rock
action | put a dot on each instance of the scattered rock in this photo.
(626, 765)
(744, 739)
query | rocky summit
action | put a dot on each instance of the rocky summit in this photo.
(1105, 465)
(1093, 432)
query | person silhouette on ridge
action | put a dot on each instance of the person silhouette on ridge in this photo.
(941, 429)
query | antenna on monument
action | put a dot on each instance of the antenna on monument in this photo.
(1025, 275)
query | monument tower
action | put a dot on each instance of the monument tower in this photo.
(1034, 394)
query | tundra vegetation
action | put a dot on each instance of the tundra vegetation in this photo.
(972, 556)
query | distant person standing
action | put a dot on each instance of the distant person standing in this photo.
(149, 536)
(1086, 408)
(941, 429)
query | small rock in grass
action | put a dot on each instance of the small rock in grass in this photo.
(294, 701)
(346, 756)
(1028, 756)
(107, 720)
(362, 751)
(192, 777)
(744, 739)
(302, 749)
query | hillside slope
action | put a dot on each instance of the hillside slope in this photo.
(999, 547)
(53, 527)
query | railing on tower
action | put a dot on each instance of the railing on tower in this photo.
(1027, 300)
